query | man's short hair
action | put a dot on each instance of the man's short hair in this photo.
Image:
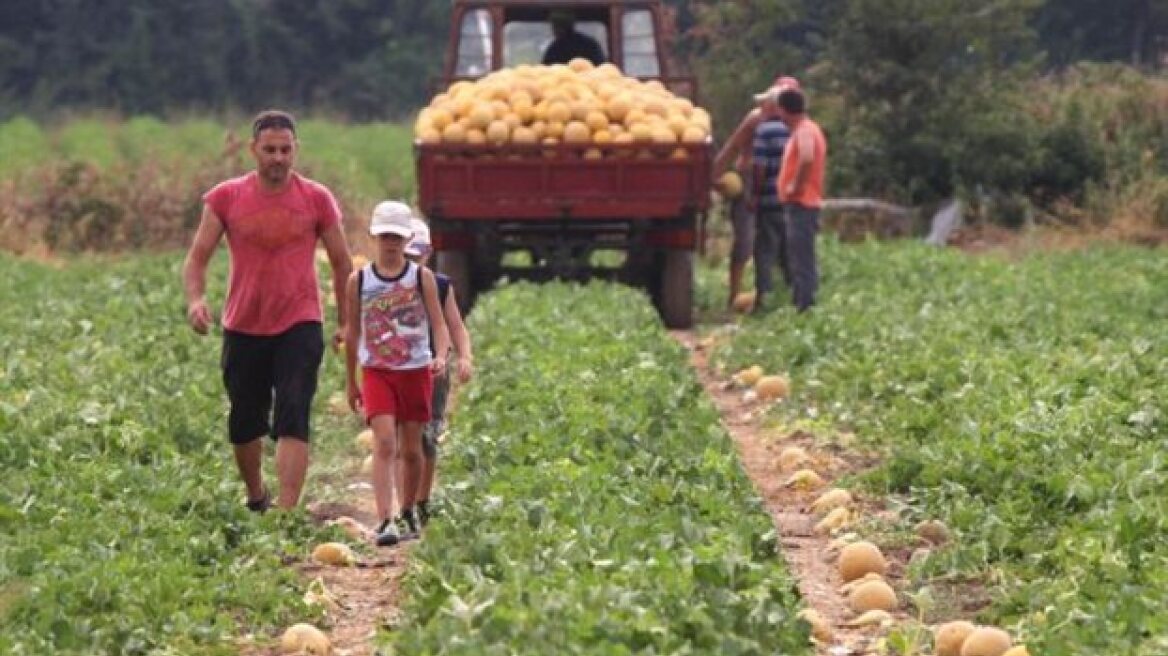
(272, 119)
(792, 100)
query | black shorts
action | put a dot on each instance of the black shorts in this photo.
(255, 366)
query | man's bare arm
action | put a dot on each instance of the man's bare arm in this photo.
(206, 240)
(341, 264)
(737, 141)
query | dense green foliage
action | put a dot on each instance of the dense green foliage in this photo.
(1022, 403)
(122, 529)
(363, 58)
(592, 502)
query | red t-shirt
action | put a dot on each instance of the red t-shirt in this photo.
(272, 240)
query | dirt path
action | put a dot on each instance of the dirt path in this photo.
(805, 551)
(361, 598)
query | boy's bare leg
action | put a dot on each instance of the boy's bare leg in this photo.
(291, 468)
(411, 462)
(249, 458)
(385, 438)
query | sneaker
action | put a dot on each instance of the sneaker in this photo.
(408, 523)
(261, 504)
(387, 533)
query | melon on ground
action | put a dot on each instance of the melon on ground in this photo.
(860, 558)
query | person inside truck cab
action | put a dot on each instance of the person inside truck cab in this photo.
(570, 43)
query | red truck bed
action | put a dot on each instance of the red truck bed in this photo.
(541, 182)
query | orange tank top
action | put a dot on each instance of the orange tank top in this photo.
(811, 192)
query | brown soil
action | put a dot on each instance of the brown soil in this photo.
(806, 552)
(366, 594)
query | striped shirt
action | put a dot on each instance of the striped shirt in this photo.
(770, 139)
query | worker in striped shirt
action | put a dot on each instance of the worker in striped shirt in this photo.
(758, 225)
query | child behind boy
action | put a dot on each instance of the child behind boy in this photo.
(418, 251)
(392, 308)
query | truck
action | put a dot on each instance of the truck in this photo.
(543, 212)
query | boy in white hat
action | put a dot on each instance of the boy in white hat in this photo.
(418, 251)
(393, 309)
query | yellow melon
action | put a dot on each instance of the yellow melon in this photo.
(860, 558)
(576, 132)
(948, 637)
(642, 132)
(454, 133)
(749, 376)
(440, 118)
(933, 531)
(498, 132)
(525, 136)
(792, 457)
(833, 521)
(596, 120)
(986, 641)
(729, 185)
(333, 553)
(579, 64)
(772, 387)
(476, 137)
(305, 639)
(618, 107)
(804, 479)
(481, 115)
(876, 595)
(832, 499)
(559, 112)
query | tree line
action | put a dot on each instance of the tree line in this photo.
(378, 58)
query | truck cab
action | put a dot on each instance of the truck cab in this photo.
(496, 212)
(487, 35)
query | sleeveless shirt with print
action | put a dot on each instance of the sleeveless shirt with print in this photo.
(395, 330)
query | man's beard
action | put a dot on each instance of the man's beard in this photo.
(276, 174)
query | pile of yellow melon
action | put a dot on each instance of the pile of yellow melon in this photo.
(595, 108)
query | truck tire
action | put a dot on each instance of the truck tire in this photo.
(456, 266)
(676, 298)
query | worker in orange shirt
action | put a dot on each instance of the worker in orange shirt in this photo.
(800, 187)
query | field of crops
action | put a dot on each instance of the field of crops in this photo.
(1024, 403)
(591, 501)
(595, 505)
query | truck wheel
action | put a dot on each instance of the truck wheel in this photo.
(676, 304)
(456, 266)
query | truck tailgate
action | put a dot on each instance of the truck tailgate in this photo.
(543, 182)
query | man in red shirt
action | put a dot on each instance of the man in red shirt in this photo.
(272, 320)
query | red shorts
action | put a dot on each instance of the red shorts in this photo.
(404, 394)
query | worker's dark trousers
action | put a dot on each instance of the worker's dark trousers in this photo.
(770, 244)
(802, 225)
